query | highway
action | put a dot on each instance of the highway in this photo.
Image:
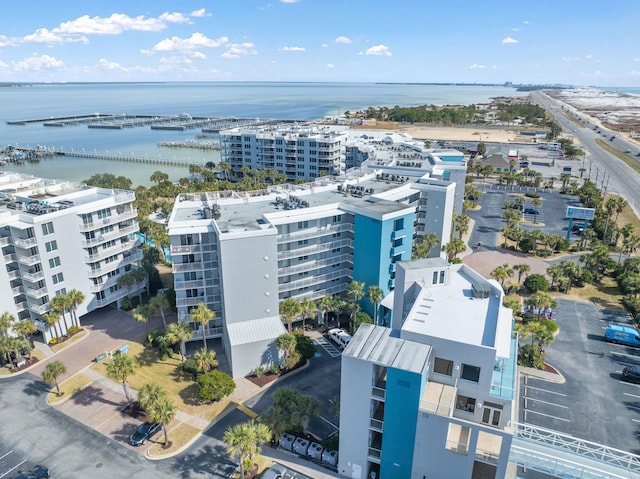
(607, 171)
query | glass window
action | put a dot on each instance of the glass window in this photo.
(435, 278)
(51, 246)
(57, 278)
(458, 438)
(470, 373)
(47, 228)
(54, 262)
(441, 277)
(443, 366)
(398, 224)
(467, 404)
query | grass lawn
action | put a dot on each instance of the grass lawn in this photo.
(605, 294)
(180, 387)
(179, 436)
(68, 388)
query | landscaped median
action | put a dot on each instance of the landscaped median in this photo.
(68, 388)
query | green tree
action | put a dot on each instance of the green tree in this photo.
(61, 304)
(6, 321)
(51, 372)
(51, 319)
(375, 294)
(149, 394)
(536, 282)
(244, 441)
(158, 177)
(24, 328)
(571, 271)
(215, 385)
(355, 292)
(206, 360)
(121, 367)
(160, 303)
(427, 242)
(289, 309)
(163, 410)
(537, 203)
(462, 223)
(522, 269)
(126, 281)
(298, 407)
(201, 314)
(453, 248)
(143, 314)
(482, 148)
(501, 273)
(325, 304)
(76, 298)
(287, 344)
(178, 333)
(307, 308)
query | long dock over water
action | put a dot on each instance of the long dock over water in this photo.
(155, 122)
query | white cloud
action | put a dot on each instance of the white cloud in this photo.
(37, 63)
(475, 66)
(43, 35)
(633, 73)
(113, 25)
(239, 49)
(324, 45)
(106, 64)
(342, 39)
(5, 41)
(636, 59)
(201, 12)
(3, 65)
(509, 40)
(174, 17)
(570, 59)
(289, 1)
(588, 57)
(293, 49)
(526, 22)
(330, 65)
(378, 50)
(194, 42)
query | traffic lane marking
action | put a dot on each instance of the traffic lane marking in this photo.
(545, 390)
(13, 468)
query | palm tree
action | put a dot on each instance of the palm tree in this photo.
(143, 314)
(522, 269)
(572, 271)
(179, 333)
(375, 295)
(51, 319)
(461, 223)
(149, 394)
(206, 360)
(286, 343)
(126, 281)
(501, 273)
(139, 276)
(555, 272)
(307, 308)
(6, 321)
(160, 302)
(24, 328)
(454, 247)
(120, 368)
(201, 314)
(163, 411)
(325, 304)
(244, 441)
(51, 373)
(76, 298)
(289, 309)
(426, 244)
(537, 203)
(355, 292)
(61, 304)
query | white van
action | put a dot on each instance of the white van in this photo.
(340, 337)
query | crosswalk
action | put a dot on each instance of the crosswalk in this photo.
(325, 344)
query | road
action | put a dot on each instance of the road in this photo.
(606, 170)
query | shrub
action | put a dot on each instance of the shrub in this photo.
(332, 442)
(292, 360)
(190, 366)
(532, 194)
(126, 304)
(304, 345)
(53, 341)
(73, 329)
(525, 244)
(531, 356)
(214, 386)
(536, 282)
(259, 371)
(274, 368)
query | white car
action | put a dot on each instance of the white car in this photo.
(276, 471)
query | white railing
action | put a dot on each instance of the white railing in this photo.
(116, 233)
(5, 240)
(15, 273)
(313, 280)
(188, 284)
(580, 447)
(17, 290)
(25, 243)
(33, 277)
(189, 301)
(115, 265)
(39, 308)
(440, 409)
(376, 424)
(314, 233)
(29, 260)
(121, 293)
(114, 218)
(36, 293)
(314, 249)
(10, 258)
(378, 393)
(115, 249)
(317, 264)
(491, 457)
(181, 267)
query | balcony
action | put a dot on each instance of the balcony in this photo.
(10, 258)
(182, 267)
(183, 284)
(122, 230)
(438, 398)
(185, 249)
(117, 248)
(132, 258)
(129, 213)
(503, 378)
(21, 306)
(209, 332)
(13, 274)
(25, 243)
(106, 284)
(313, 265)
(17, 290)
(314, 280)
(39, 308)
(36, 293)
(33, 277)
(29, 260)
(5, 241)
(184, 302)
(107, 300)
(314, 249)
(315, 232)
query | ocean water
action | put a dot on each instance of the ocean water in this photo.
(296, 101)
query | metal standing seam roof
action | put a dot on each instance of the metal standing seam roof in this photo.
(255, 330)
(375, 344)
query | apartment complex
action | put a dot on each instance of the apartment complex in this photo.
(57, 236)
(432, 396)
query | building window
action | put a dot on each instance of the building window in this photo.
(441, 277)
(435, 278)
(61, 291)
(51, 246)
(54, 262)
(464, 403)
(470, 373)
(398, 224)
(57, 278)
(443, 366)
(104, 213)
(303, 224)
(47, 228)
(397, 242)
(458, 438)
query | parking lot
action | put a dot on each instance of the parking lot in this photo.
(11, 462)
(594, 403)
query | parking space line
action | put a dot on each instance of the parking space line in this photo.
(634, 356)
(545, 402)
(2, 457)
(636, 420)
(632, 395)
(12, 469)
(629, 384)
(545, 390)
(546, 415)
(328, 347)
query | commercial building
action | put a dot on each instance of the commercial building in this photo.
(57, 236)
(432, 396)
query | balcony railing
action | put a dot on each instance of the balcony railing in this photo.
(25, 243)
(374, 453)
(36, 293)
(29, 260)
(13, 274)
(184, 284)
(22, 306)
(186, 249)
(132, 258)
(117, 248)
(487, 456)
(33, 277)
(10, 258)
(121, 293)
(5, 240)
(314, 249)
(317, 264)
(376, 424)
(17, 290)
(109, 220)
(181, 302)
(116, 233)
(378, 393)
(182, 267)
(315, 232)
(39, 308)
(313, 280)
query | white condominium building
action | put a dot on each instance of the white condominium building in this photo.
(432, 396)
(57, 236)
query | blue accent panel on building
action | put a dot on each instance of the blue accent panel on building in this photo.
(402, 400)
(376, 246)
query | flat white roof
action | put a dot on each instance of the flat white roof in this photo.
(255, 330)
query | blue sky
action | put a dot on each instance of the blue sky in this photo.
(491, 41)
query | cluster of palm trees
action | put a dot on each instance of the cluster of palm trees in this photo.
(59, 306)
(292, 309)
(12, 347)
(135, 277)
(503, 272)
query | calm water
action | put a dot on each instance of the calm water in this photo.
(303, 101)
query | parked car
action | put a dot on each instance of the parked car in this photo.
(631, 374)
(622, 335)
(340, 337)
(144, 432)
(276, 471)
(531, 211)
(38, 472)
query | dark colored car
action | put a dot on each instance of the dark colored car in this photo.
(631, 373)
(531, 211)
(38, 472)
(144, 432)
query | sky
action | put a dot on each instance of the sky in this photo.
(570, 42)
